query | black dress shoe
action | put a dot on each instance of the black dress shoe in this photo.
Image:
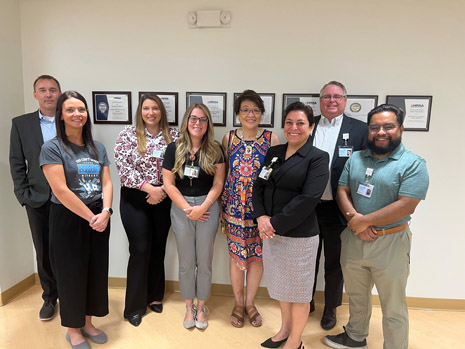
(312, 306)
(156, 307)
(47, 312)
(135, 320)
(269, 343)
(328, 321)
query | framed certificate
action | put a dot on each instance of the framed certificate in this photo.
(112, 107)
(311, 99)
(417, 110)
(170, 101)
(268, 115)
(215, 101)
(358, 106)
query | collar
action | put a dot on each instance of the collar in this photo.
(147, 133)
(46, 118)
(333, 123)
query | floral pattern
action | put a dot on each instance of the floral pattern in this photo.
(244, 243)
(137, 169)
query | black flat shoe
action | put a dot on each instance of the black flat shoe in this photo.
(156, 307)
(269, 343)
(135, 320)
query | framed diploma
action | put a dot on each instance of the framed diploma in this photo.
(358, 106)
(268, 115)
(215, 101)
(417, 111)
(310, 99)
(112, 107)
(170, 101)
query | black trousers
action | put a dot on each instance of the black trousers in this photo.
(147, 227)
(79, 257)
(331, 226)
(38, 222)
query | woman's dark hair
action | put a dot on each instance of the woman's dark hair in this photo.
(60, 124)
(306, 109)
(248, 95)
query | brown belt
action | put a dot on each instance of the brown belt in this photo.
(392, 230)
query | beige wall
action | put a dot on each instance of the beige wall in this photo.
(374, 47)
(16, 256)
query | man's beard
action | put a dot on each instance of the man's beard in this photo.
(393, 144)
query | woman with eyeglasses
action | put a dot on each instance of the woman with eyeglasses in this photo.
(77, 169)
(193, 172)
(246, 148)
(144, 207)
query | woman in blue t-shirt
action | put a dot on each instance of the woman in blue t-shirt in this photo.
(77, 169)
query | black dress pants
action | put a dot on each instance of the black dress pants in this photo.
(79, 257)
(39, 224)
(147, 227)
(331, 226)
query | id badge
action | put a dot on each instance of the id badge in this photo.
(345, 151)
(265, 173)
(365, 189)
(191, 171)
(159, 154)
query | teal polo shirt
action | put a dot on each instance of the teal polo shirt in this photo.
(400, 173)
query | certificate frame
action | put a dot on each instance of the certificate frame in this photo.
(210, 99)
(417, 110)
(115, 105)
(268, 116)
(358, 106)
(310, 99)
(170, 106)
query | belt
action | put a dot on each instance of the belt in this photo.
(387, 231)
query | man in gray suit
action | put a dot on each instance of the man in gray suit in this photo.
(28, 133)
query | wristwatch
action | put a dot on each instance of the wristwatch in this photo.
(109, 210)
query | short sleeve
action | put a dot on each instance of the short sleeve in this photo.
(415, 180)
(50, 153)
(168, 161)
(344, 179)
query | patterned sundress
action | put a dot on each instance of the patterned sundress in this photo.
(244, 243)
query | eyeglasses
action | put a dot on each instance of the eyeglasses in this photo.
(337, 98)
(386, 127)
(194, 119)
(253, 111)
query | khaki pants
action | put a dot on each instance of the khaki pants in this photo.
(384, 262)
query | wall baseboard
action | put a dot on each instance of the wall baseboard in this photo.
(17, 289)
(226, 290)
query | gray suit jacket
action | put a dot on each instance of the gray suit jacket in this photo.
(30, 186)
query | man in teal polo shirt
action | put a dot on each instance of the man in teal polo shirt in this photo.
(378, 190)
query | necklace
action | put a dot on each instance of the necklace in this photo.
(248, 147)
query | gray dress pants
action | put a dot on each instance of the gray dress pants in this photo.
(195, 241)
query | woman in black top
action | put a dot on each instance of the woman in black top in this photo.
(193, 172)
(290, 184)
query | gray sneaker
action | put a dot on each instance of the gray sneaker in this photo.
(343, 341)
(47, 312)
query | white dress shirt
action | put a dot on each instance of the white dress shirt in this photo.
(325, 139)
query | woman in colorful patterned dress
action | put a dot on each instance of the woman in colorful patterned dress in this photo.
(246, 148)
(144, 206)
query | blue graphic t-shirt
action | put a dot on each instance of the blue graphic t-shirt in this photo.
(82, 168)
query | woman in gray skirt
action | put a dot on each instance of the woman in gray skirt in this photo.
(193, 175)
(290, 184)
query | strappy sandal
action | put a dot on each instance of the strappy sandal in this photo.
(253, 314)
(238, 314)
(199, 324)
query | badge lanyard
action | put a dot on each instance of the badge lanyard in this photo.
(191, 171)
(266, 171)
(345, 150)
(366, 189)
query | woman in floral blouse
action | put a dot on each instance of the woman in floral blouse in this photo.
(144, 206)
